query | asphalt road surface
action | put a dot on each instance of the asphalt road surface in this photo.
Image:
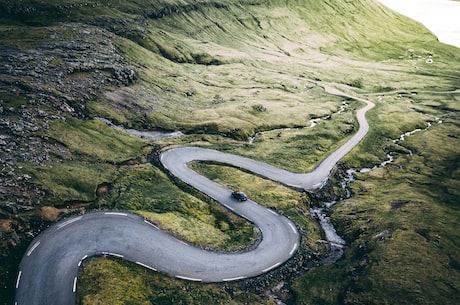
(49, 269)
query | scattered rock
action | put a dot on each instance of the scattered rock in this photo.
(77, 69)
(383, 235)
(44, 80)
(103, 189)
(5, 225)
(259, 108)
(48, 213)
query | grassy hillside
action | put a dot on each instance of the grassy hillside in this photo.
(220, 71)
(218, 61)
(400, 225)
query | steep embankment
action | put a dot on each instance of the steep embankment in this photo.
(226, 68)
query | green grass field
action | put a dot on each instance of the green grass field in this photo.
(221, 72)
(400, 225)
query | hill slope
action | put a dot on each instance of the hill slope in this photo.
(222, 71)
(235, 48)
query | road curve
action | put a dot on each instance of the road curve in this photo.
(50, 266)
(48, 271)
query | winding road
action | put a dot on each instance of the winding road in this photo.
(49, 269)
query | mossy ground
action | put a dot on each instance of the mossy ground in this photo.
(400, 226)
(144, 189)
(223, 71)
(89, 156)
(129, 284)
(280, 198)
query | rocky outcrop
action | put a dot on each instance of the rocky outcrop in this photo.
(70, 65)
(45, 74)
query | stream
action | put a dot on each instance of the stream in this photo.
(150, 135)
(337, 243)
(313, 123)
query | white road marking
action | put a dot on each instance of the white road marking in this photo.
(116, 213)
(233, 279)
(293, 249)
(146, 266)
(82, 259)
(244, 216)
(183, 242)
(271, 267)
(75, 284)
(188, 278)
(33, 248)
(228, 207)
(293, 228)
(149, 223)
(69, 222)
(360, 117)
(273, 212)
(19, 278)
(112, 254)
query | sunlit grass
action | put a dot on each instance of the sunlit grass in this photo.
(96, 140)
(70, 180)
(401, 228)
(223, 71)
(108, 281)
(268, 193)
(146, 190)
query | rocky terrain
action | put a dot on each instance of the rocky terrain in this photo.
(224, 71)
(40, 81)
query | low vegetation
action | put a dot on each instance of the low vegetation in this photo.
(399, 225)
(146, 190)
(90, 154)
(280, 198)
(225, 73)
(306, 145)
(119, 283)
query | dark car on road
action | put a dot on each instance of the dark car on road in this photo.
(239, 195)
